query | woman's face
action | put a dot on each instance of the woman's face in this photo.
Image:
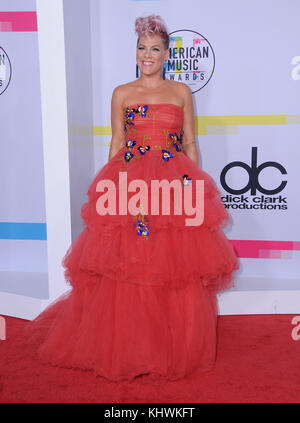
(151, 54)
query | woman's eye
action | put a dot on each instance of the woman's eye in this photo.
(142, 48)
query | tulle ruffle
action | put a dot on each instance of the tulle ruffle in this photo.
(174, 254)
(122, 330)
(149, 168)
(170, 258)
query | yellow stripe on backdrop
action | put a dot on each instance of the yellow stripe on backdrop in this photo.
(202, 123)
(219, 125)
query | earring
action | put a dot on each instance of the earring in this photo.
(137, 71)
(164, 71)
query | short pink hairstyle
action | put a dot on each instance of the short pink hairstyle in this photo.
(152, 24)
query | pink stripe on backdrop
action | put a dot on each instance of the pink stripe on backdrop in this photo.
(265, 249)
(5, 27)
(18, 22)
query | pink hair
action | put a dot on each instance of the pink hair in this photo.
(152, 24)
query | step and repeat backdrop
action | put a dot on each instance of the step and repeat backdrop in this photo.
(23, 232)
(241, 61)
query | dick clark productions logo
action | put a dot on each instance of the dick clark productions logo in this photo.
(268, 198)
(5, 70)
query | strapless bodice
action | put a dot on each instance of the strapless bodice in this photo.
(156, 126)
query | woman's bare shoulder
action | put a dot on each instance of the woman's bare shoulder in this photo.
(180, 87)
(180, 90)
(123, 90)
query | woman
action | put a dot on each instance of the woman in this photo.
(144, 284)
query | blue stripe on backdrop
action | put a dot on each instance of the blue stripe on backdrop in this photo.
(20, 230)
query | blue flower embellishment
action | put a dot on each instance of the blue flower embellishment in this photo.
(142, 225)
(186, 180)
(142, 228)
(143, 148)
(129, 118)
(142, 110)
(128, 156)
(166, 155)
(177, 140)
(130, 113)
(130, 144)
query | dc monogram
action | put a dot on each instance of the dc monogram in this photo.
(253, 171)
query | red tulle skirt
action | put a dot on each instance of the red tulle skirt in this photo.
(136, 305)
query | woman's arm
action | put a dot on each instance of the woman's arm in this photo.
(117, 123)
(189, 140)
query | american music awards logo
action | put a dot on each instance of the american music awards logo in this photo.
(252, 190)
(5, 70)
(191, 59)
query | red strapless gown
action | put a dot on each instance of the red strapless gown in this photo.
(143, 297)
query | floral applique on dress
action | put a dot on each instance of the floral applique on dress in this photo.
(173, 144)
(166, 155)
(142, 224)
(130, 143)
(142, 147)
(130, 113)
(177, 140)
(142, 110)
(186, 179)
(128, 156)
(134, 151)
(129, 116)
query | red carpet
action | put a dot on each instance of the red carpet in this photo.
(257, 361)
